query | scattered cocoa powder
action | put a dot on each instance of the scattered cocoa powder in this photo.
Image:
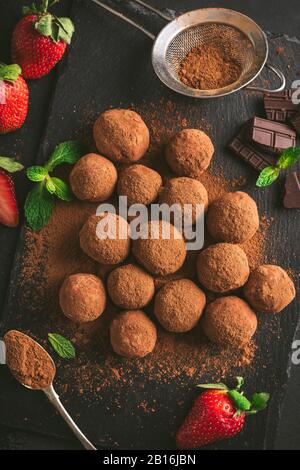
(54, 253)
(29, 363)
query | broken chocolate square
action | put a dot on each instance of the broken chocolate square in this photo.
(292, 191)
(279, 106)
(250, 153)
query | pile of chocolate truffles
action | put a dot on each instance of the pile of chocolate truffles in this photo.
(121, 136)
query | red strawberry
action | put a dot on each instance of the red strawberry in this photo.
(40, 40)
(13, 98)
(9, 214)
(218, 413)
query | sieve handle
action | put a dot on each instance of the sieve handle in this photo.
(279, 74)
(133, 23)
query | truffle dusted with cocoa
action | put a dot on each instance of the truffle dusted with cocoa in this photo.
(93, 178)
(222, 267)
(179, 305)
(110, 249)
(184, 191)
(121, 135)
(189, 152)
(233, 218)
(82, 297)
(130, 287)
(269, 289)
(28, 362)
(162, 250)
(140, 184)
(133, 334)
(229, 321)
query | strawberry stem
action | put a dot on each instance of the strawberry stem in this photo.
(257, 403)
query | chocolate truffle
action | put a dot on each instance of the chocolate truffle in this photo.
(93, 178)
(222, 267)
(189, 152)
(185, 191)
(140, 184)
(233, 218)
(129, 286)
(229, 321)
(110, 250)
(82, 297)
(179, 305)
(133, 334)
(121, 135)
(163, 251)
(269, 289)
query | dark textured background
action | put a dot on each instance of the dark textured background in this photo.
(41, 131)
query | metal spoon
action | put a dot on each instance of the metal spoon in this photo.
(54, 399)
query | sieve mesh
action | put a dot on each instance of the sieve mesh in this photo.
(238, 46)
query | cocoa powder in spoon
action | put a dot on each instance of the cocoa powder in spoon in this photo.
(28, 362)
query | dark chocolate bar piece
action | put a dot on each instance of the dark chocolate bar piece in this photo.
(273, 136)
(292, 191)
(250, 153)
(279, 106)
(296, 122)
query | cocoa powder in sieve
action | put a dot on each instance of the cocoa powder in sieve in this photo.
(212, 65)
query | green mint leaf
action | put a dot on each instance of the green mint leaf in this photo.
(65, 29)
(36, 173)
(259, 401)
(241, 402)
(267, 176)
(10, 73)
(50, 186)
(288, 158)
(44, 25)
(61, 189)
(38, 207)
(218, 386)
(62, 346)
(66, 152)
(10, 164)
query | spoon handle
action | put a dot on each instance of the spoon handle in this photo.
(54, 399)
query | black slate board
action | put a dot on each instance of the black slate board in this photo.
(109, 65)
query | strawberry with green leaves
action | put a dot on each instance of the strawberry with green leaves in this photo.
(40, 39)
(13, 98)
(218, 413)
(9, 213)
(40, 200)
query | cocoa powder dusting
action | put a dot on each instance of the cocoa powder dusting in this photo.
(54, 253)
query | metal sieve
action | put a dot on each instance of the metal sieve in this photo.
(247, 43)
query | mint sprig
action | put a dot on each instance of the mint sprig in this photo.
(62, 346)
(10, 164)
(269, 174)
(40, 200)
